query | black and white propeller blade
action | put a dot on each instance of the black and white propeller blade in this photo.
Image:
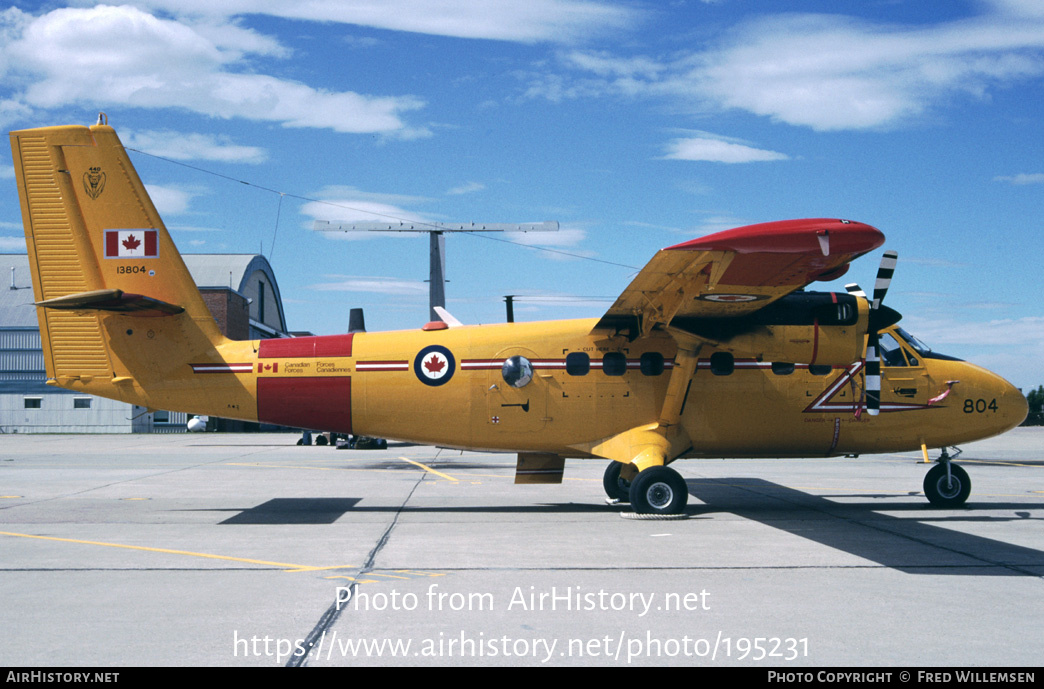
(873, 350)
(879, 318)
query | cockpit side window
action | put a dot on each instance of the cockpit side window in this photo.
(891, 352)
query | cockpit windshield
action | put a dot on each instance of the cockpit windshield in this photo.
(894, 354)
(920, 347)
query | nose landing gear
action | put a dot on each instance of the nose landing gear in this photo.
(947, 484)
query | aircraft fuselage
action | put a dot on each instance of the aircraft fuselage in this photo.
(446, 387)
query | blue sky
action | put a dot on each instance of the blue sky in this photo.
(636, 125)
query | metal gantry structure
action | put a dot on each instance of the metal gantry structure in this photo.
(437, 243)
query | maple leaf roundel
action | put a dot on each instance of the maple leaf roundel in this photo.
(434, 365)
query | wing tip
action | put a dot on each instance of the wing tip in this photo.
(790, 236)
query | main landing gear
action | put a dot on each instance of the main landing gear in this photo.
(616, 486)
(947, 484)
(656, 490)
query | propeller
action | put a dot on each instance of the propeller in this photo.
(880, 317)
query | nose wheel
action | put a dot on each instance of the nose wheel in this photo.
(947, 485)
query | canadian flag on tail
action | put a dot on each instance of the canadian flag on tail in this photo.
(131, 243)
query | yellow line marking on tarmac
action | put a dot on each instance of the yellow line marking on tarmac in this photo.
(304, 568)
(415, 572)
(282, 565)
(358, 581)
(429, 469)
(5, 497)
(390, 576)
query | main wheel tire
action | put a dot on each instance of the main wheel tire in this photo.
(947, 493)
(659, 490)
(615, 487)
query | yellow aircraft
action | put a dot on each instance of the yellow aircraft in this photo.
(713, 350)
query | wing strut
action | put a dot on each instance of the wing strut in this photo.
(660, 443)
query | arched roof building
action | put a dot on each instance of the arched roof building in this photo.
(251, 277)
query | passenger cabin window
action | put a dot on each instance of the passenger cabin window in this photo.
(578, 364)
(781, 368)
(722, 363)
(820, 369)
(652, 364)
(614, 364)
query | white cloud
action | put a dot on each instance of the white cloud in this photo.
(122, 56)
(192, 146)
(832, 72)
(532, 21)
(12, 244)
(11, 111)
(378, 285)
(170, 200)
(717, 223)
(933, 262)
(826, 72)
(565, 236)
(1022, 178)
(341, 204)
(1018, 332)
(552, 245)
(468, 188)
(1016, 356)
(718, 151)
(606, 65)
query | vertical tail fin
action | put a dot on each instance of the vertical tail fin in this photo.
(118, 310)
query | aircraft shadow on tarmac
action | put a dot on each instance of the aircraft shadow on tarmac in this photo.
(908, 544)
(293, 511)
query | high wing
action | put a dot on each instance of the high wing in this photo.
(737, 272)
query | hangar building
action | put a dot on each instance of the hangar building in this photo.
(240, 290)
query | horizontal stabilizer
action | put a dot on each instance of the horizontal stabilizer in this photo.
(114, 300)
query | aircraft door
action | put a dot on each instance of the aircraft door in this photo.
(903, 376)
(516, 395)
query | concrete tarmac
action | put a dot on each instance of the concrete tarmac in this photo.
(212, 549)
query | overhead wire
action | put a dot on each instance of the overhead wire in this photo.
(389, 216)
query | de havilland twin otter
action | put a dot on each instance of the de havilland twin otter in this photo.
(713, 350)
